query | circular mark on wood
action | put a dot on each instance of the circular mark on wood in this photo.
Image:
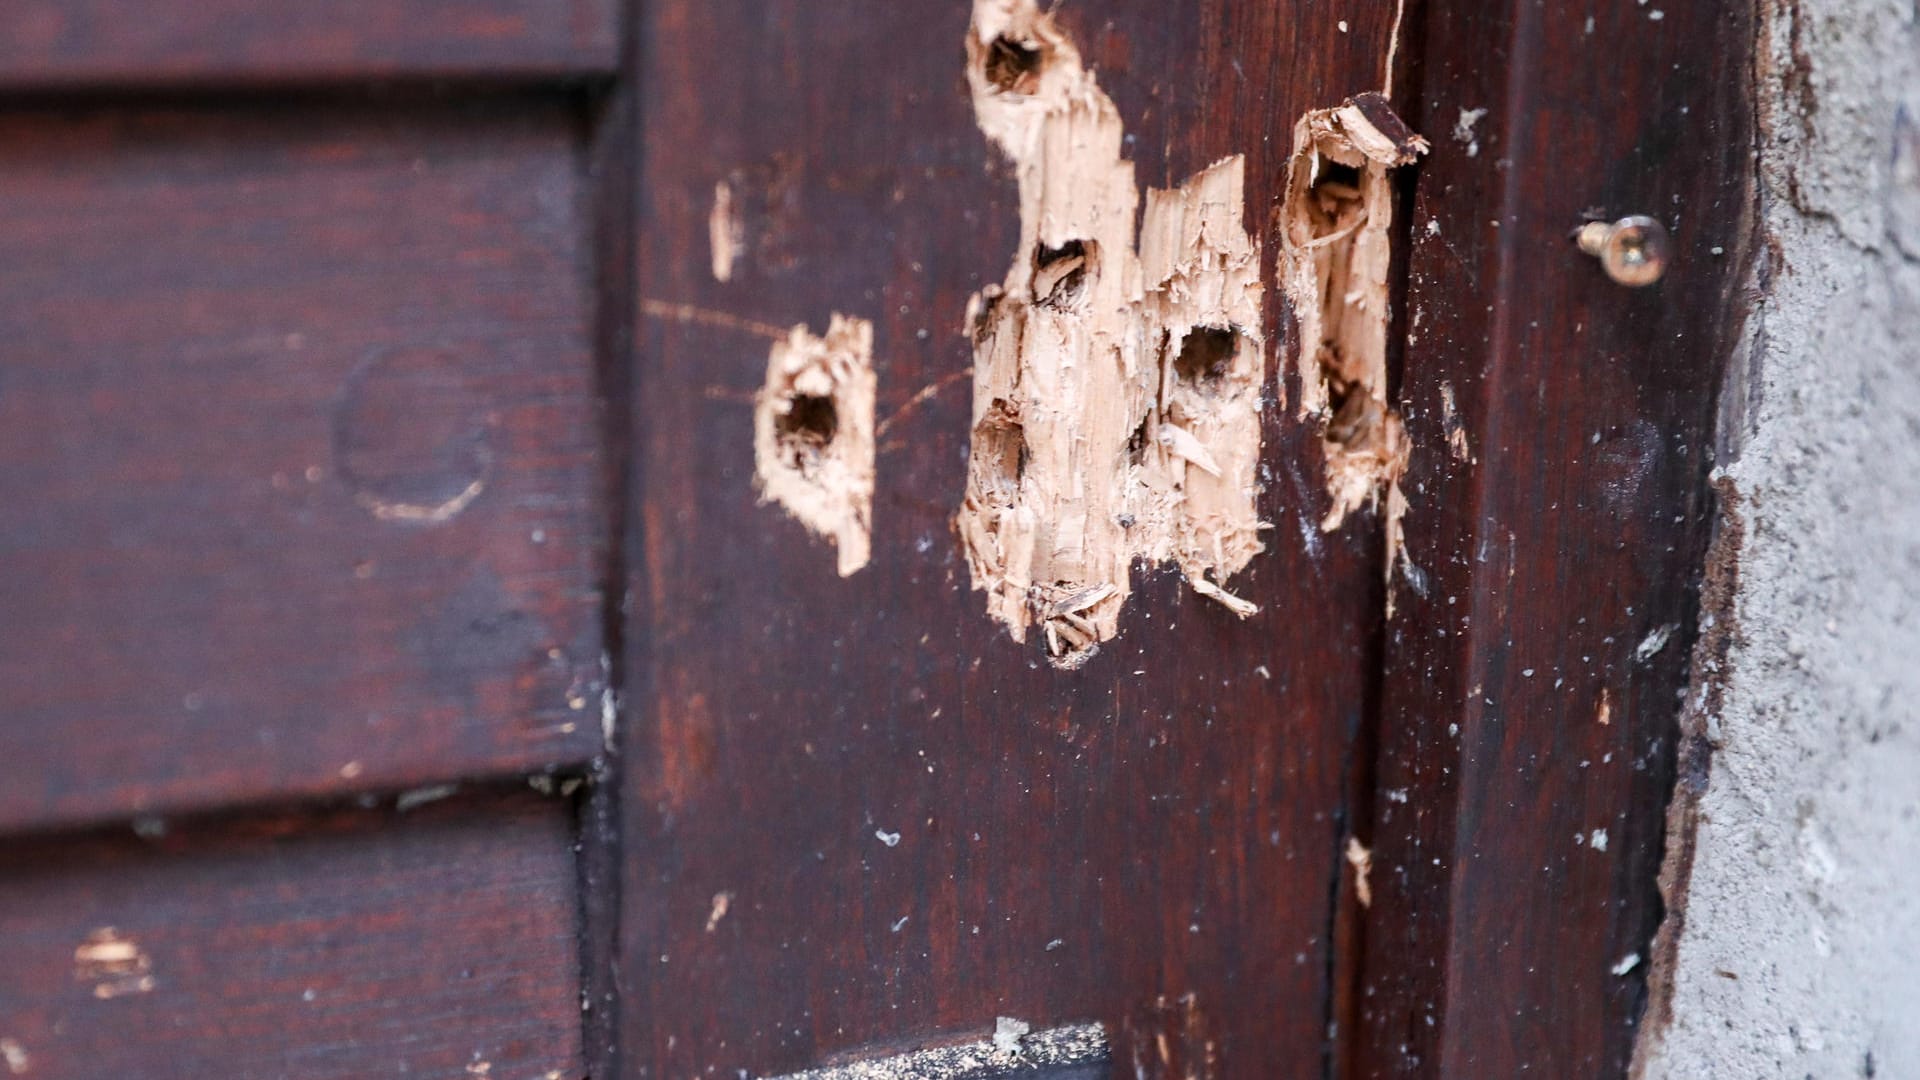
(412, 436)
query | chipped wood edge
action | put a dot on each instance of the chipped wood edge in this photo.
(821, 471)
(1336, 255)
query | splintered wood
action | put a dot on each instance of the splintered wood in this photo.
(1335, 255)
(813, 434)
(1116, 410)
(114, 965)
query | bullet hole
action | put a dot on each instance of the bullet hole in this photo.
(1001, 444)
(1334, 197)
(1061, 275)
(1137, 450)
(1355, 419)
(1013, 67)
(813, 434)
(1206, 356)
(808, 425)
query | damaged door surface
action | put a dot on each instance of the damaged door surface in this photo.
(785, 539)
(1077, 744)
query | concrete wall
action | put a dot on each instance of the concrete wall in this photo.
(1800, 954)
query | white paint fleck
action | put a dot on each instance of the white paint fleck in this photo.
(1008, 1033)
(421, 796)
(1651, 645)
(1463, 130)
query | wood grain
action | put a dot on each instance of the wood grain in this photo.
(69, 44)
(1527, 737)
(1152, 842)
(299, 452)
(346, 944)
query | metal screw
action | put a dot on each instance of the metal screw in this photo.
(1634, 250)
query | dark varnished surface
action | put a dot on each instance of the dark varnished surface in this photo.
(47, 44)
(1074, 846)
(198, 305)
(235, 337)
(343, 944)
(1574, 533)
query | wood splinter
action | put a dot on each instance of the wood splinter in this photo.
(1335, 256)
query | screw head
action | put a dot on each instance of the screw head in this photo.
(1634, 251)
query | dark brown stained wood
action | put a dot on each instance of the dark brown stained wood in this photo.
(1152, 842)
(614, 162)
(64, 44)
(350, 944)
(1529, 705)
(249, 357)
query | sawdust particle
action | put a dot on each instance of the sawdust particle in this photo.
(115, 965)
(721, 902)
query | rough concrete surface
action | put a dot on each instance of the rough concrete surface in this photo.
(1800, 952)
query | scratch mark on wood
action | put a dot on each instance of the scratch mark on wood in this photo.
(668, 311)
(925, 394)
(724, 233)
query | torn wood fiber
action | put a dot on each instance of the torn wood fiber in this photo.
(1116, 378)
(1336, 251)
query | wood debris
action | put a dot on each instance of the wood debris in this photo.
(1360, 857)
(115, 965)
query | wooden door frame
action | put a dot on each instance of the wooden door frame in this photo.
(1563, 431)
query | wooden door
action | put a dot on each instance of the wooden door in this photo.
(414, 661)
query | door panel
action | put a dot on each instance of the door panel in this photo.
(297, 431)
(858, 813)
(377, 415)
(93, 44)
(441, 942)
